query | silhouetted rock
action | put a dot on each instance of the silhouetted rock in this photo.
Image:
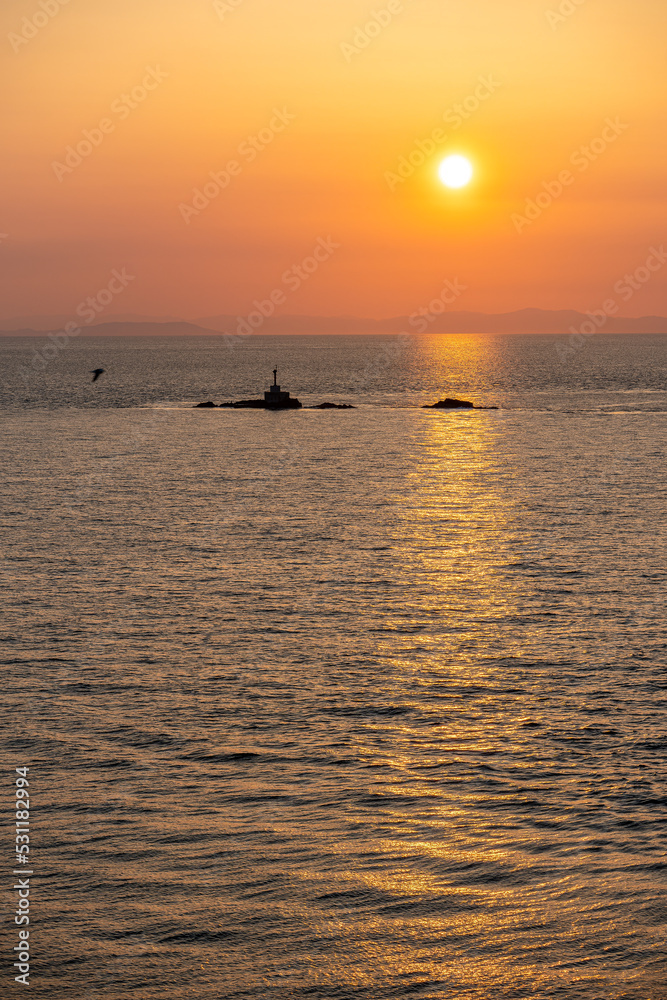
(247, 404)
(333, 406)
(256, 404)
(275, 398)
(450, 404)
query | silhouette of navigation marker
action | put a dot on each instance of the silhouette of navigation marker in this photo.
(96, 372)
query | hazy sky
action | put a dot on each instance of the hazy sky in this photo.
(318, 103)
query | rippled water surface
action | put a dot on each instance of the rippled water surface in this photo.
(339, 704)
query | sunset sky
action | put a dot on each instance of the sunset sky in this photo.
(336, 110)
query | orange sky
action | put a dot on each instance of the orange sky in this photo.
(219, 72)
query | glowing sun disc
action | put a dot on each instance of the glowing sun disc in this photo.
(455, 171)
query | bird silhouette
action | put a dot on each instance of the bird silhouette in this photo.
(96, 372)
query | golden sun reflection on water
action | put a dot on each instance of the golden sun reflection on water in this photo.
(404, 927)
(452, 536)
(456, 872)
(461, 363)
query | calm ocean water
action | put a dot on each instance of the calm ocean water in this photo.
(322, 704)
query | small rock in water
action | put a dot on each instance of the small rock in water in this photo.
(333, 406)
(450, 404)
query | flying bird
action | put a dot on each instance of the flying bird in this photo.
(96, 372)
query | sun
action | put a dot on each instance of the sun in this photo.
(455, 171)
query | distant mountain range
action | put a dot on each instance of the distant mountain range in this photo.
(521, 321)
(56, 322)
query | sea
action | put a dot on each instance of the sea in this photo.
(351, 704)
